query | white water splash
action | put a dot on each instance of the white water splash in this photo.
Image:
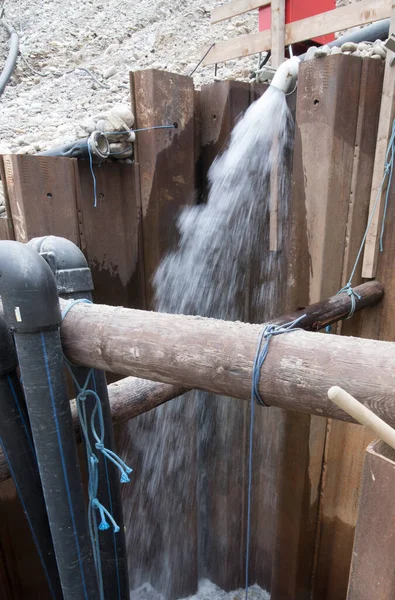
(222, 268)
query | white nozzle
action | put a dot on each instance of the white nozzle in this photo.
(286, 75)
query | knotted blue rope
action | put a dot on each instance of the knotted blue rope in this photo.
(95, 507)
(260, 356)
(387, 179)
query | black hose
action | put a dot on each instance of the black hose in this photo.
(74, 281)
(12, 57)
(31, 309)
(17, 443)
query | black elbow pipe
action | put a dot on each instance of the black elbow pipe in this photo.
(17, 443)
(74, 281)
(31, 310)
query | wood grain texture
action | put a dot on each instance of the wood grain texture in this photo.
(316, 243)
(387, 114)
(111, 232)
(372, 565)
(345, 444)
(331, 21)
(166, 157)
(6, 224)
(278, 32)
(221, 104)
(218, 356)
(41, 193)
(234, 8)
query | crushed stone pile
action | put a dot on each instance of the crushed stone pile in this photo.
(109, 38)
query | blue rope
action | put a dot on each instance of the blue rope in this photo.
(111, 510)
(93, 175)
(95, 507)
(387, 178)
(261, 353)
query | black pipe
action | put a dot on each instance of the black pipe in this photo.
(31, 310)
(77, 149)
(74, 281)
(17, 443)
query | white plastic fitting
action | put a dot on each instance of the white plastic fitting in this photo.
(286, 75)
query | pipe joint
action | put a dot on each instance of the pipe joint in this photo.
(28, 289)
(67, 263)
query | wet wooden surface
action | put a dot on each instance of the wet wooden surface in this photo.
(345, 444)
(372, 570)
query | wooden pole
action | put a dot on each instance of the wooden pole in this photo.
(387, 114)
(218, 356)
(362, 415)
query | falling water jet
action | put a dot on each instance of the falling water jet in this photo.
(221, 267)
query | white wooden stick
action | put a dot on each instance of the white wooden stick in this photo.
(362, 414)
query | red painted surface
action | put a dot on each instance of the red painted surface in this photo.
(299, 9)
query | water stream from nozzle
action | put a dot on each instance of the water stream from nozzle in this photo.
(221, 268)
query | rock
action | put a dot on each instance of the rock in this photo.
(336, 50)
(363, 46)
(376, 57)
(88, 125)
(379, 50)
(123, 111)
(356, 53)
(111, 48)
(323, 51)
(349, 47)
(110, 72)
(310, 52)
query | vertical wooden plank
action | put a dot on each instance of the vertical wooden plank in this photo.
(221, 449)
(321, 190)
(278, 32)
(25, 579)
(6, 224)
(345, 443)
(160, 509)
(40, 200)
(111, 232)
(222, 104)
(372, 572)
(166, 157)
(387, 115)
(41, 191)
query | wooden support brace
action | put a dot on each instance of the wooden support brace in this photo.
(237, 7)
(338, 19)
(218, 356)
(387, 114)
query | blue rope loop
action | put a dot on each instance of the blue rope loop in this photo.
(90, 429)
(353, 295)
(262, 350)
(261, 353)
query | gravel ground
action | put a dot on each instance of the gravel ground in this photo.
(110, 38)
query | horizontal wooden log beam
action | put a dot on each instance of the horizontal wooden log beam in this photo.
(237, 7)
(218, 356)
(338, 19)
(132, 396)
